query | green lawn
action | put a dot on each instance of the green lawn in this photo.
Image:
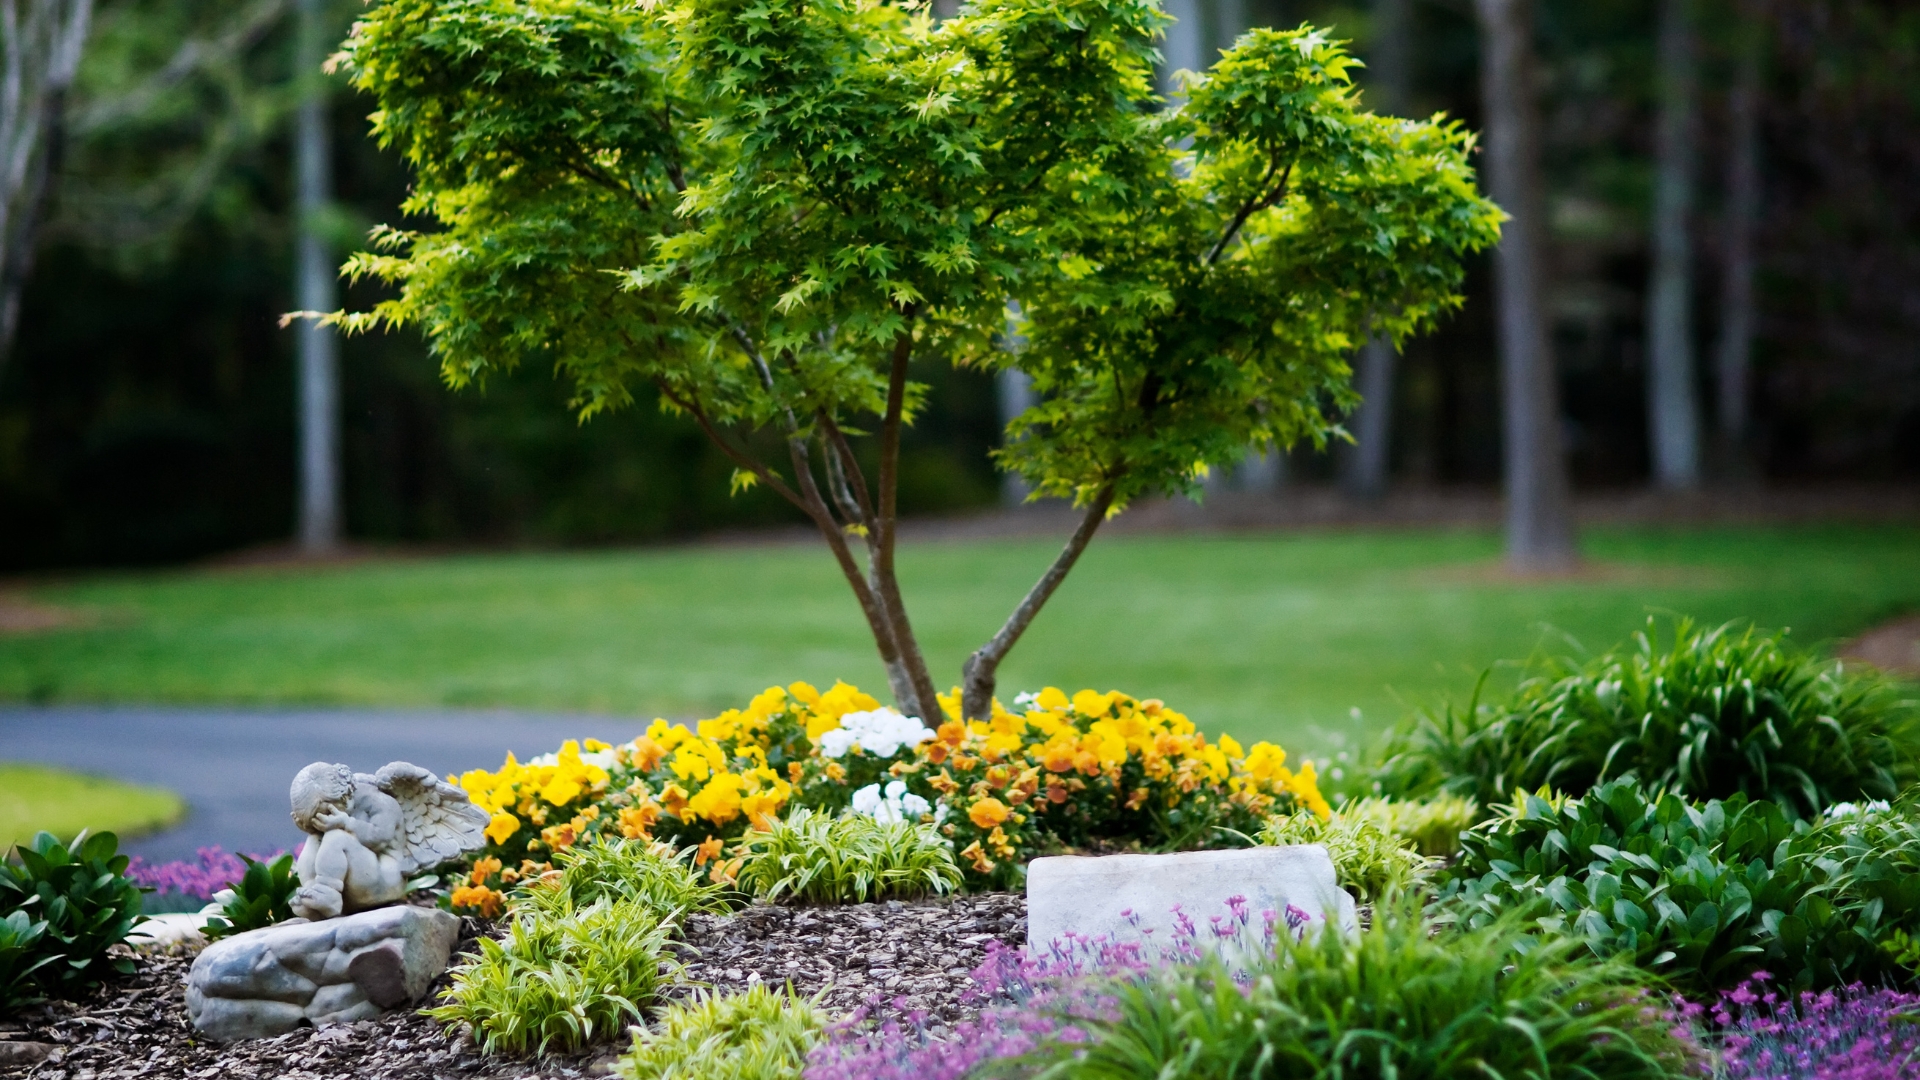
(34, 798)
(1265, 635)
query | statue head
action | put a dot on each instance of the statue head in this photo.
(317, 787)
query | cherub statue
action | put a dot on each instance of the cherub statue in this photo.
(371, 833)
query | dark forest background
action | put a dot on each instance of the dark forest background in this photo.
(147, 414)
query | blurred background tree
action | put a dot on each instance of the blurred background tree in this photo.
(147, 412)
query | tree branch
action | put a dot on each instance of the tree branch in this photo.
(883, 567)
(1246, 211)
(738, 457)
(906, 671)
(981, 668)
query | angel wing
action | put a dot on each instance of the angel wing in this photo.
(437, 821)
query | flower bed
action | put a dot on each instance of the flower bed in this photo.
(1063, 772)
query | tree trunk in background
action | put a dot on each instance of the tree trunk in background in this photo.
(1735, 346)
(1389, 87)
(1673, 415)
(42, 57)
(314, 285)
(1540, 530)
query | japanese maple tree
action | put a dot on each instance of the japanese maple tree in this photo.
(767, 209)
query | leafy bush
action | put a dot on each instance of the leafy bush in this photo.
(1091, 769)
(1706, 714)
(1702, 894)
(263, 896)
(812, 857)
(21, 955)
(1369, 860)
(1433, 825)
(762, 1034)
(81, 892)
(1396, 1001)
(560, 982)
(1850, 1034)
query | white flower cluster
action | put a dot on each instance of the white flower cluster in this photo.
(881, 733)
(897, 804)
(1847, 809)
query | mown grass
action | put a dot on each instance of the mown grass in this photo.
(35, 798)
(1266, 636)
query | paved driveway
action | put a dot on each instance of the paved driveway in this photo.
(233, 766)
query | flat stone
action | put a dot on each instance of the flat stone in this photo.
(1132, 899)
(20, 1054)
(267, 982)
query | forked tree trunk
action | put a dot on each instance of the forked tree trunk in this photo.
(1735, 347)
(1673, 413)
(1540, 531)
(1389, 88)
(314, 286)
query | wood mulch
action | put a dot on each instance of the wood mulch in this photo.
(916, 955)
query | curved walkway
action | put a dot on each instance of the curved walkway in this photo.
(233, 766)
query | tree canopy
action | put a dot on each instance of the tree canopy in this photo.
(767, 208)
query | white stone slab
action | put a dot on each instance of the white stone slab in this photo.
(1130, 898)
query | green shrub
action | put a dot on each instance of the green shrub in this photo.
(1433, 825)
(1706, 714)
(262, 897)
(761, 1034)
(21, 955)
(81, 891)
(1868, 862)
(1701, 894)
(811, 857)
(1369, 860)
(560, 982)
(1396, 1001)
(622, 870)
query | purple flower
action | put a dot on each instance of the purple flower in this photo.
(216, 870)
(1850, 1034)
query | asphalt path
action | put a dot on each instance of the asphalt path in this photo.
(234, 766)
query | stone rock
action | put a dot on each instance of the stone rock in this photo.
(1131, 898)
(172, 928)
(267, 982)
(21, 1054)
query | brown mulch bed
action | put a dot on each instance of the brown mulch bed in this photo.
(916, 954)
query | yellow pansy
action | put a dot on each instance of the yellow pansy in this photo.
(502, 826)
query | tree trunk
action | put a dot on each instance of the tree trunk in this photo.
(42, 58)
(1540, 531)
(980, 673)
(1672, 413)
(1389, 85)
(1735, 346)
(314, 285)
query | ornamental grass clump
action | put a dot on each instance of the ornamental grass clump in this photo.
(816, 858)
(1369, 860)
(1704, 713)
(652, 876)
(1433, 824)
(1399, 1000)
(761, 1034)
(560, 982)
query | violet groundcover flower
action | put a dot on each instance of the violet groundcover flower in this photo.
(1028, 999)
(216, 870)
(1853, 1033)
